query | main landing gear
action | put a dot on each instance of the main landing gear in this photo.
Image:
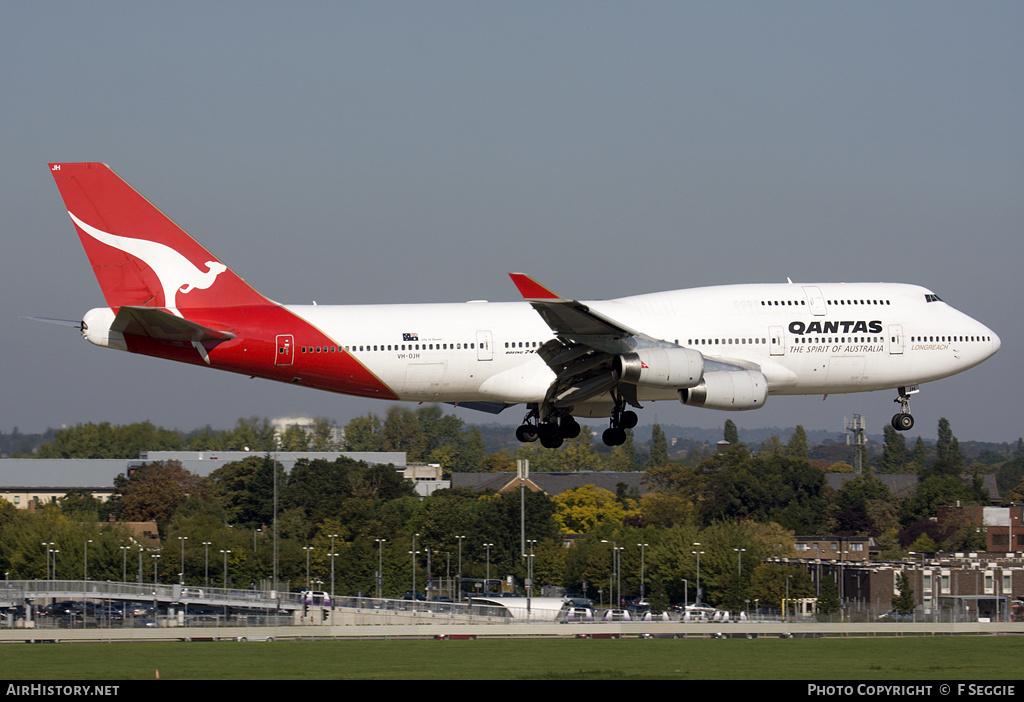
(559, 425)
(551, 432)
(903, 420)
(621, 420)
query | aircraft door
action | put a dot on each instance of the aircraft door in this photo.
(285, 353)
(776, 341)
(484, 346)
(815, 300)
(895, 339)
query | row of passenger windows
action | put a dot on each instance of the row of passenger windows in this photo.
(920, 339)
(798, 303)
(839, 340)
(689, 342)
(723, 342)
(389, 347)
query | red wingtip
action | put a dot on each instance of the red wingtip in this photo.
(531, 289)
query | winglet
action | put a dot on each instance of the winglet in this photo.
(530, 289)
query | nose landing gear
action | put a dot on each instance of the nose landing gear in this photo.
(903, 420)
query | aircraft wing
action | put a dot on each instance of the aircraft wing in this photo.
(585, 354)
(588, 354)
(573, 320)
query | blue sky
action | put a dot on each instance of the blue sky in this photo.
(351, 152)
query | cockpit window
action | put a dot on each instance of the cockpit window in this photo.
(931, 297)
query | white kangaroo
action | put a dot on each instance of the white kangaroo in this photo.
(176, 273)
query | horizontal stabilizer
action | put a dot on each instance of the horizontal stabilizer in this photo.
(164, 326)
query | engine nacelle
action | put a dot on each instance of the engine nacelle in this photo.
(728, 390)
(96, 329)
(662, 368)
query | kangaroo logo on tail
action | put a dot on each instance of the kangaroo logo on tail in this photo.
(176, 273)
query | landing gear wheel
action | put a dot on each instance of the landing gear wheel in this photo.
(614, 436)
(551, 442)
(568, 427)
(628, 419)
(526, 433)
(902, 421)
(550, 436)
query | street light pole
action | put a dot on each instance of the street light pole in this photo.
(307, 549)
(697, 553)
(225, 553)
(85, 560)
(182, 540)
(611, 584)
(459, 575)
(642, 547)
(739, 573)
(380, 566)
(206, 563)
(487, 579)
(413, 554)
(333, 554)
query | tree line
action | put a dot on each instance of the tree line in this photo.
(732, 509)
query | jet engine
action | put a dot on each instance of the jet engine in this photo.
(728, 390)
(662, 367)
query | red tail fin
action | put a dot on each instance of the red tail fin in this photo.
(140, 257)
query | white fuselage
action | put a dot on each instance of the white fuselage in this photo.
(806, 339)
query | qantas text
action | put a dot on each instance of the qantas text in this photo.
(847, 327)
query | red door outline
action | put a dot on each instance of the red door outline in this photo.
(285, 355)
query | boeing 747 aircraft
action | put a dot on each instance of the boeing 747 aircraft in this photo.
(725, 347)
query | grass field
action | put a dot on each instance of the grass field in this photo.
(902, 658)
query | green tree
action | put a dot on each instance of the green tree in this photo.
(770, 584)
(903, 601)
(253, 434)
(796, 447)
(363, 434)
(731, 434)
(767, 488)
(624, 456)
(105, 441)
(948, 460)
(294, 438)
(894, 451)
(580, 510)
(864, 506)
(933, 492)
(321, 436)
(401, 431)
(828, 598)
(659, 447)
(919, 457)
(154, 491)
(578, 454)
(246, 489)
